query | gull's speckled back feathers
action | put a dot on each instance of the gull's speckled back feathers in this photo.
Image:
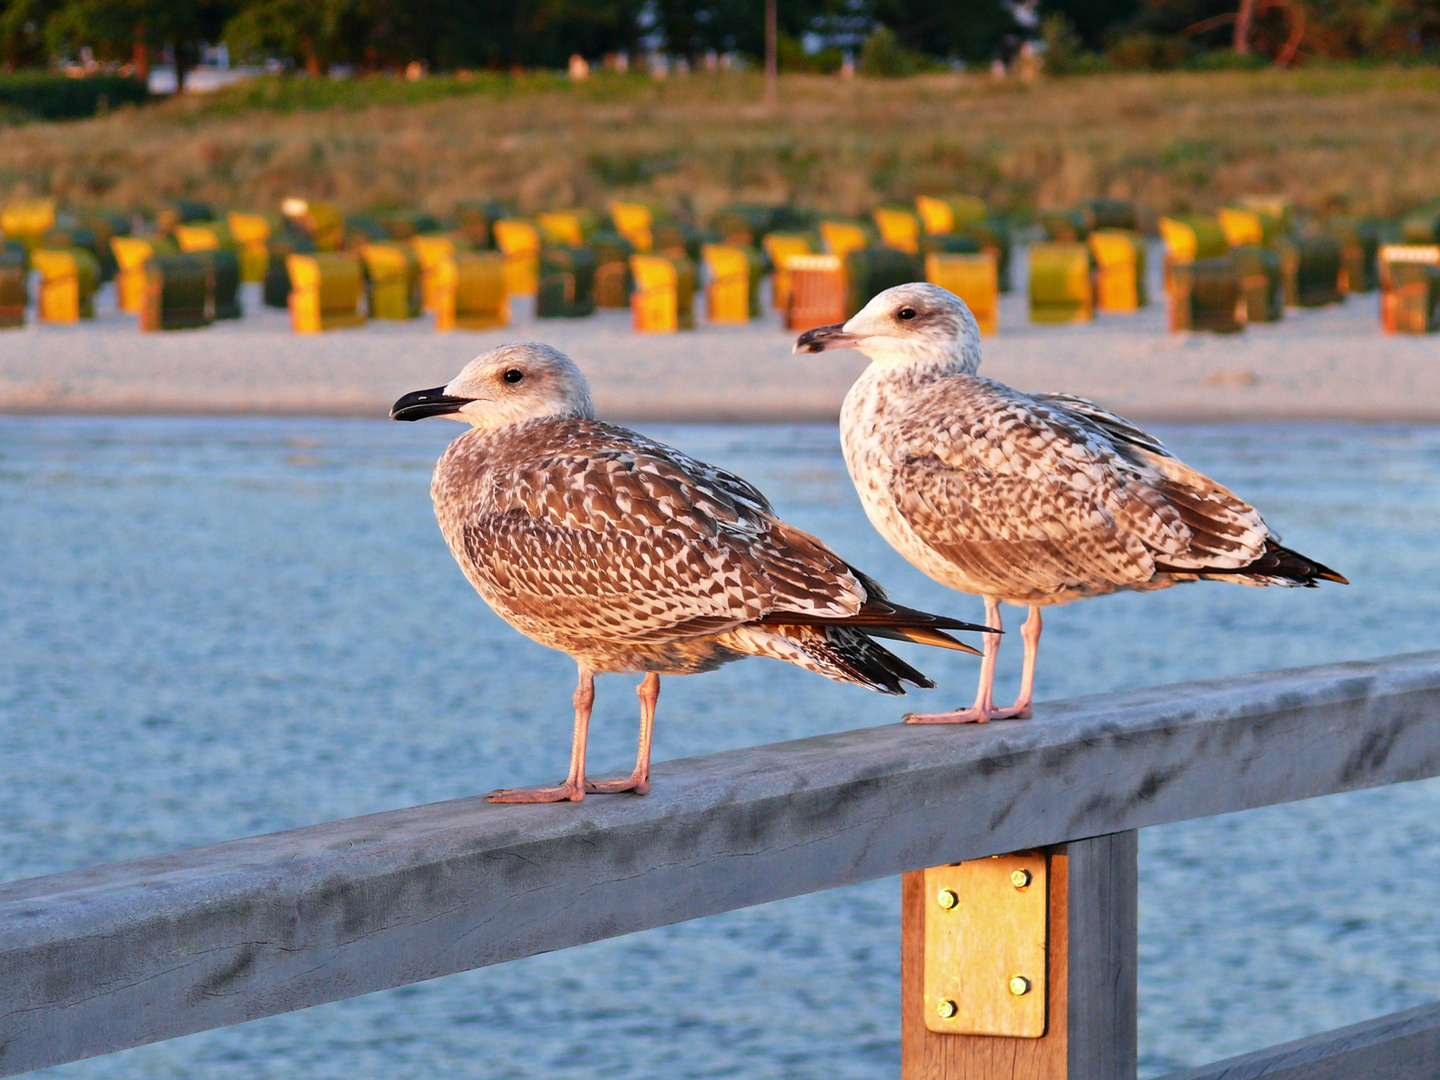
(630, 555)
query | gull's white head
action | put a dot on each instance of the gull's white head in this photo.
(505, 386)
(910, 324)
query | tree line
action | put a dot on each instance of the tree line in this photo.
(374, 35)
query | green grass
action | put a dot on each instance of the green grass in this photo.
(291, 93)
(1342, 139)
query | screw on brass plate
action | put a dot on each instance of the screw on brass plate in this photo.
(947, 1009)
(1019, 985)
(947, 899)
(1020, 878)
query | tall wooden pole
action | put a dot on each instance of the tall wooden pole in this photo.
(1244, 19)
(772, 59)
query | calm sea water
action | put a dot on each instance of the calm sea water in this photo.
(212, 628)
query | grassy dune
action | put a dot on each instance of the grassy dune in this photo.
(1362, 141)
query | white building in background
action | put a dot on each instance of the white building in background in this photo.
(213, 72)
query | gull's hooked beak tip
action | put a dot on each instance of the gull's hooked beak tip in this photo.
(419, 404)
(824, 337)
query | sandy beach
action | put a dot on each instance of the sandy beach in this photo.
(1325, 363)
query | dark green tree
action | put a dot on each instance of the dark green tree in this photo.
(969, 30)
(1097, 20)
(305, 32)
(22, 32)
(122, 29)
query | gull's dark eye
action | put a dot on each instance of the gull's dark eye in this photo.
(906, 313)
(514, 375)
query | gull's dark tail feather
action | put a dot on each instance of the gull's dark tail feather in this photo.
(847, 653)
(884, 618)
(1281, 562)
(845, 648)
(1278, 565)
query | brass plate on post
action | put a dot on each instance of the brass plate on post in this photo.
(985, 942)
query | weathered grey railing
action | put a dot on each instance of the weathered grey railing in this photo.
(96, 960)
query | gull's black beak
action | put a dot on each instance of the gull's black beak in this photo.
(422, 403)
(825, 337)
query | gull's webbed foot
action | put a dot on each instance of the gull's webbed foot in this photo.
(562, 793)
(638, 784)
(969, 716)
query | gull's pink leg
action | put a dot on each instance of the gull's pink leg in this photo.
(573, 790)
(984, 707)
(639, 781)
(1030, 632)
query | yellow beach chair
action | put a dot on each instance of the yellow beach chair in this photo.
(974, 279)
(68, 277)
(325, 291)
(190, 238)
(842, 237)
(732, 294)
(250, 233)
(1242, 228)
(322, 221)
(899, 229)
(520, 243)
(1060, 288)
(431, 251)
(636, 223)
(1190, 238)
(781, 247)
(664, 297)
(468, 291)
(131, 254)
(27, 220)
(1119, 257)
(563, 228)
(392, 276)
(950, 213)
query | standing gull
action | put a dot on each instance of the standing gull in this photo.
(630, 556)
(1030, 499)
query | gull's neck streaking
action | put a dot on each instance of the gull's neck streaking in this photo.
(920, 359)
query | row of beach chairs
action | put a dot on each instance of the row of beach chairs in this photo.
(330, 271)
(1244, 264)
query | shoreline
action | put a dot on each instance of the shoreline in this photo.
(1419, 417)
(1321, 364)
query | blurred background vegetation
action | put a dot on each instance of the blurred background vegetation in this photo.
(1354, 140)
(886, 37)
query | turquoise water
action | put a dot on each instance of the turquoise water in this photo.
(216, 627)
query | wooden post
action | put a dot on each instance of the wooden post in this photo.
(1091, 969)
(772, 58)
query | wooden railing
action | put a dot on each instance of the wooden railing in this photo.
(96, 960)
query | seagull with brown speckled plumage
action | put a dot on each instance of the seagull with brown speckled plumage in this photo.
(1030, 499)
(632, 557)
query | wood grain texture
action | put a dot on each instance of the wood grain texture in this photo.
(99, 959)
(1401, 1046)
(1104, 956)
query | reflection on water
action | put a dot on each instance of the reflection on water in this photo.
(212, 628)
